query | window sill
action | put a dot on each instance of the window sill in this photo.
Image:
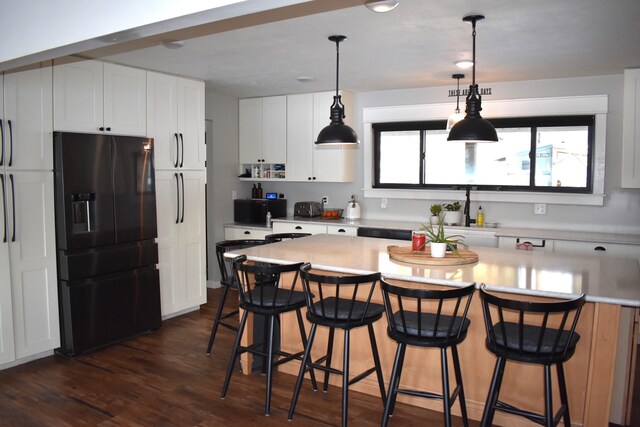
(489, 196)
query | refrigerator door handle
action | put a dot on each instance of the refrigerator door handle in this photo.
(177, 199)
(13, 199)
(177, 150)
(2, 149)
(10, 142)
(182, 180)
(181, 149)
(4, 209)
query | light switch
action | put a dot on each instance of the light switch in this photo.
(540, 208)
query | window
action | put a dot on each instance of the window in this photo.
(543, 154)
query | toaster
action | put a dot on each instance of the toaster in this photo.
(307, 209)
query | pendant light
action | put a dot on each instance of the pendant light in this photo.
(381, 6)
(473, 128)
(337, 132)
(457, 116)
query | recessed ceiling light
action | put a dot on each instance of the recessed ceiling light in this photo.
(304, 79)
(173, 44)
(464, 64)
(381, 6)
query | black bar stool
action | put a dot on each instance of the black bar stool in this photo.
(531, 332)
(427, 318)
(279, 237)
(332, 301)
(227, 281)
(263, 293)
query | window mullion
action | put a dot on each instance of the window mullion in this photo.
(532, 157)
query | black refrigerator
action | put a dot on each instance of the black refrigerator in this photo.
(108, 284)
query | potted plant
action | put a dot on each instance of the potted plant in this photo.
(452, 214)
(435, 210)
(439, 242)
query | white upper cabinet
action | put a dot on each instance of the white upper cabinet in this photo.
(307, 115)
(92, 96)
(631, 130)
(175, 120)
(263, 130)
(27, 120)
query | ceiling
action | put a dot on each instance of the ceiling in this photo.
(414, 45)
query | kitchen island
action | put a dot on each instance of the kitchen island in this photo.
(612, 285)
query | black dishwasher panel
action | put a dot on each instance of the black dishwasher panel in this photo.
(384, 233)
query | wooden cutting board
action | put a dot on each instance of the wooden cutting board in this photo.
(406, 254)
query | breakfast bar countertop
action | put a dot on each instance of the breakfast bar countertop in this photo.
(603, 279)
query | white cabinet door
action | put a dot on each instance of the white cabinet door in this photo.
(32, 248)
(533, 243)
(274, 129)
(78, 104)
(333, 163)
(7, 351)
(299, 227)
(181, 239)
(342, 230)
(92, 96)
(300, 137)
(239, 233)
(597, 248)
(28, 119)
(631, 130)
(250, 130)
(125, 100)
(193, 153)
(162, 119)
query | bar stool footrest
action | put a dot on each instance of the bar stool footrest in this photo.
(532, 416)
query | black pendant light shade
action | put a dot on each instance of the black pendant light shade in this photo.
(473, 128)
(337, 132)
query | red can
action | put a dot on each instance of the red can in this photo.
(418, 241)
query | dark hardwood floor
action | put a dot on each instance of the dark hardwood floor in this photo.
(165, 378)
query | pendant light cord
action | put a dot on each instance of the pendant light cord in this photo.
(473, 77)
(458, 96)
(337, 64)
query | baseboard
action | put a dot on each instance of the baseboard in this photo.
(213, 284)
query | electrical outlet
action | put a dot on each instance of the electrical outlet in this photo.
(540, 208)
(234, 194)
(383, 203)
(325, 200)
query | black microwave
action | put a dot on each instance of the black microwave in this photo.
(254, 211)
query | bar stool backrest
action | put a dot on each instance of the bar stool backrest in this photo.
(427, 317)
(225, 264)
(343, 299)
(279, 237)
(534, 332)
(262, 285)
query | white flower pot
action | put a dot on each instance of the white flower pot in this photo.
(438, 250)
(453, 217)
(434, 220)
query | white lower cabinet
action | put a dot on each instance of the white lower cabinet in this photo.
(342, 230)
(594, 248)
(240, 233)
(533, 243)
(305, 227)
(180, 199)
(28, 286)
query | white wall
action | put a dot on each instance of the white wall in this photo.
(621, 210)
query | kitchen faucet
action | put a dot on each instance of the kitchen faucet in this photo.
(467, 215)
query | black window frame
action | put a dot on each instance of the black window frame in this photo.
(513, 122)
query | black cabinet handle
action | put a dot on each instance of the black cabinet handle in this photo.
(13, 200)
(542, 245)
(177, 150)
(309, 178)
(4, 209)
(181, 149)
(247, 232)
(182, 179)
(314, 178)
(342, 230)
(298, 227)
(108, 129)
(177, 199)
(101, 128)
(2, 149)
(599, 248)
(10, 142)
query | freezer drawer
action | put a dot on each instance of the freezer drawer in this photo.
(100, 311)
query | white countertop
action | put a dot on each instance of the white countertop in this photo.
(603, 279)
(581, 236)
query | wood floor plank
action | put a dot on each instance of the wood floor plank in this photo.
(165, 378)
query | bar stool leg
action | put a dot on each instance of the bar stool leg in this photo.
(325, 386)
(269, 361)
(403, 349)
(548, 397)
(345, 379)
(563, 395)
(216, 322)
(446, 396)
(392, 387)
(456, 368)
(303, 336)
(305, 359)
(234, 355)
(376, 361)
(494, 390)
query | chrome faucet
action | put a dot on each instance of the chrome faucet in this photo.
(467, 208)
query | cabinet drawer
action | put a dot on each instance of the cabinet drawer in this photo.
(299, 227)
(342, 229)
(608, 249)
(535, 244)
(236, 233)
